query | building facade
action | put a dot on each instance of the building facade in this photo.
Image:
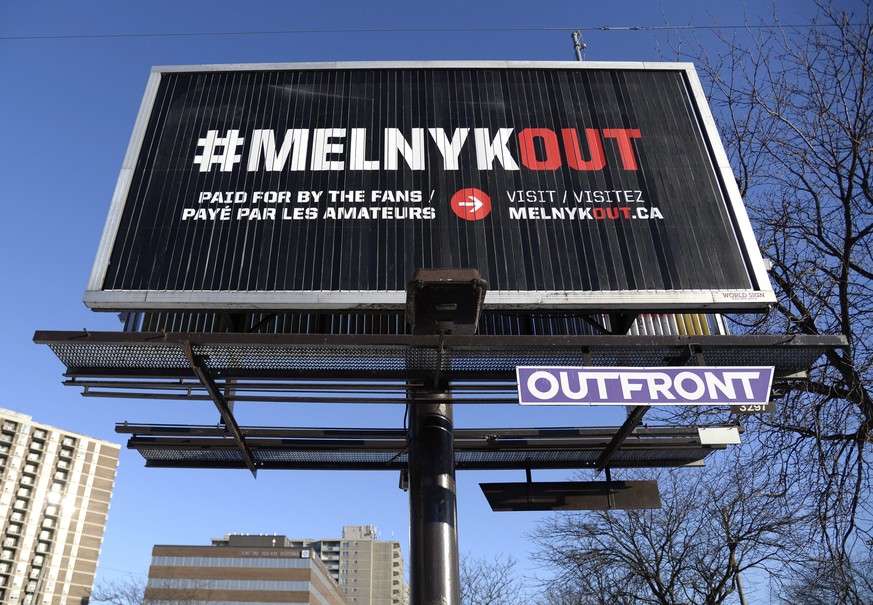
(55, 488)
(369, 571)
(240, 569)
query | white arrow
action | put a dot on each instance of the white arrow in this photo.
(476, 203)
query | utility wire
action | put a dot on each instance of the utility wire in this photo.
(409, 30)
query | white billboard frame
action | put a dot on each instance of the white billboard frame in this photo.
(757, 298)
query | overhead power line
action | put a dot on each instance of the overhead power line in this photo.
(404, 30)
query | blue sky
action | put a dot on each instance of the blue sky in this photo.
(67, 106)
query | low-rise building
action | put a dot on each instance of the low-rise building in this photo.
(240, 569)
(367, 570)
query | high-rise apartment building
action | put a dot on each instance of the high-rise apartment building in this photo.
(240, 569)
(369, 571)
(55, 495)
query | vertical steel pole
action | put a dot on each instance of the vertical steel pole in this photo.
(434, 572)
(578, 45)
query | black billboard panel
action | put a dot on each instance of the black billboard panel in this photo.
(567, 185)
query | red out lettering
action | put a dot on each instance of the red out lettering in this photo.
(576, 159)
(574, 154)
(552, 160)
(623, 137)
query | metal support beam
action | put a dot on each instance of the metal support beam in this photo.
(633, 420)
(434, 573)
(621, 323)
(227, 418)
(635, 416)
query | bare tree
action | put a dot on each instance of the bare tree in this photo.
(715, 525)
(129, 590)
(491, 582)
(568, 595)
(827, 582)
(795, 107)
(132, 590)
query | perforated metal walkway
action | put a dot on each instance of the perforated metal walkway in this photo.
(286, 368)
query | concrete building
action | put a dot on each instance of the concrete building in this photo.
(240, 569)
(369, 571)
(54, 496)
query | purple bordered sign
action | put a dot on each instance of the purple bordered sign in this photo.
(742, 385)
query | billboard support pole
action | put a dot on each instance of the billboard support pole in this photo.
(439, 301)
(434, 572)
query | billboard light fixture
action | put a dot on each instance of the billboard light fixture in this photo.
(445, 301)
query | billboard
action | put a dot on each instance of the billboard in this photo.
(577, 186)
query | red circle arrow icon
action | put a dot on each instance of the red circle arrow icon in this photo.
(471, 204)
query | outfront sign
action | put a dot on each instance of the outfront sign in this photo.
(644, 386)
(567, 185)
